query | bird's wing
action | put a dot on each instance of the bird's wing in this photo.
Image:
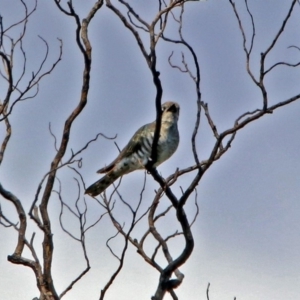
(133, 146)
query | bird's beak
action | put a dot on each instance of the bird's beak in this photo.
(173, 108)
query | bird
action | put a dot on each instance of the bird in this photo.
(138, 151)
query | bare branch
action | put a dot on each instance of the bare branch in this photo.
(280, 31)
(195, 78)
(282, 64)
(207, 291)
(263, 72)
(124, 250)
(22, 218)
(247, 52)
(130, 27)
(32, 83)
(6, 138)
(25, 19)
(81, 216)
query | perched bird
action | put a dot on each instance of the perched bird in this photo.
(138, 151)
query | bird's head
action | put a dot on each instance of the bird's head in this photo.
(170, 112)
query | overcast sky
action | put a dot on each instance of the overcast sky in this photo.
(247, 241)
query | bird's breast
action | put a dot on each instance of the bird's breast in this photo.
(168, 143)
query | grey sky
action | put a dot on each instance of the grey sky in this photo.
(247, 233)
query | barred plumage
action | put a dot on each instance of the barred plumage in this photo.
(137, 152)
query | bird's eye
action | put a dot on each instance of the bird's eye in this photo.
(163, 108)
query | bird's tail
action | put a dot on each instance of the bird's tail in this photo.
(101, 185)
